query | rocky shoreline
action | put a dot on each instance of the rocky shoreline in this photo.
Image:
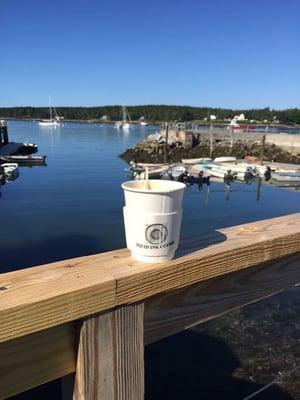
(149, 153)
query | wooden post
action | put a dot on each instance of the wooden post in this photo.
(258, 189)
(262, 151)
(231, 136)
(211, 134)
(110, 362)
(166, 143)
(3, 134)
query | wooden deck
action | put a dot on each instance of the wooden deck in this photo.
(93, 315)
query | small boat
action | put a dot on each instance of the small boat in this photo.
(9, 169)
(237, 127)
(221, 171)
(49, 122)
(195, 160)
(150, 165)
(28, 148)
(142, 121)
(24, 160)
(124, 124)
(285, 177)
(53, 120)
(224, 159)
(156, 173)
(175, 171)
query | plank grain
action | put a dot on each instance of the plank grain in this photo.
(172, 312)
(242, 247)
(37, 298)
(110, 362)
(37, 358)
(41, 297)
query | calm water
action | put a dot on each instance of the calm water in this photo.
(73, 206)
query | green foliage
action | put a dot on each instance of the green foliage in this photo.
(153, 113)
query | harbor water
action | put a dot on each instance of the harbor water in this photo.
(73, 207)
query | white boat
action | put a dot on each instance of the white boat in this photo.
(142, 121)
(49, 122)
(155, 173)
(10, 168)
(285, 177)
(224, 159)
(124, 124)
(150, 165)
(240, 172)
(195, 160)
(240, 167)
(54, 119)
(176, 170)
(221, 172)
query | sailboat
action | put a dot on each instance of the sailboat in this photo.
(124, 124)
(143, 122)
(54, 118)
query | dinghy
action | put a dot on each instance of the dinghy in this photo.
(224, 159)
(9, 169)
(195, 160)
(285, 176)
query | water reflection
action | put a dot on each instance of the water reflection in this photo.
(74, 206)
(228, 188)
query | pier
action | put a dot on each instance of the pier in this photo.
(21, 153)
(88, 319)
(191, 133)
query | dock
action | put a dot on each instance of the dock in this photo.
(10, 149)
(89, 318)
(21, 153)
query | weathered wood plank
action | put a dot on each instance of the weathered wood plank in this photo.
(40, 297)
(41, 357)
(35, 359)
(169, 313)
(130, 352)
(235, 249)
(110, 362)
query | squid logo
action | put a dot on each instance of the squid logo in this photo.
(156, 233)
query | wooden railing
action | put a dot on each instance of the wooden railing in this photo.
(93, 315)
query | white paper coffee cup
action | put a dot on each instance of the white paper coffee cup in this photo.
(152, 217)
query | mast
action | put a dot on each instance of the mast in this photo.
(124, 113)
(50, 108)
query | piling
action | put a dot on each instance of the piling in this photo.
(262, 152)
(211, 133)
(3, 133)
(166, 144)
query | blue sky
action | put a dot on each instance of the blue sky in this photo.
(230, 53)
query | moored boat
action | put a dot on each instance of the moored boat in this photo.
(9, 169)
(124, 124)
(23, 160)
(195, 160)
(225, 159)
(54, 119)
(155, 173)
(285, 177)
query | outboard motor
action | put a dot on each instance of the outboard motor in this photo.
(268, 174)
(249, 175)
(229, 177)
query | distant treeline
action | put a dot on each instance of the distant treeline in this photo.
(154, 113)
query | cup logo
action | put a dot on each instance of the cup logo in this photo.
(156, 233)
